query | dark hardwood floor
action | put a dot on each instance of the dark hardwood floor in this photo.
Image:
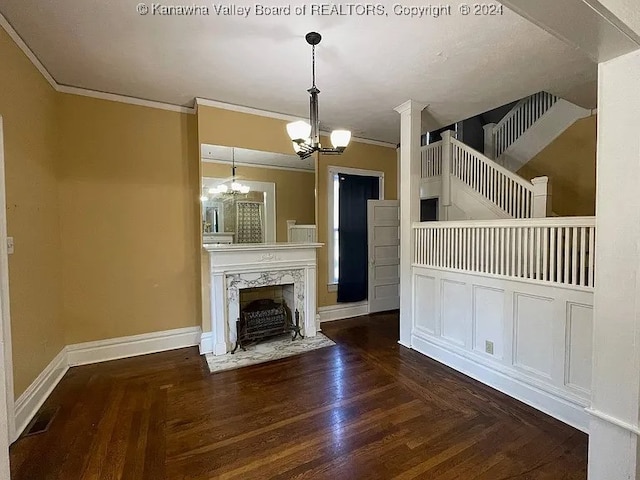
(364, 409)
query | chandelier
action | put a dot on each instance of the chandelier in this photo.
(306, 136)
(234, 187)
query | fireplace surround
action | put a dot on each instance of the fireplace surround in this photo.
(232, 268)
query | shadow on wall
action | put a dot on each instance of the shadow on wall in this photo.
(570, 163)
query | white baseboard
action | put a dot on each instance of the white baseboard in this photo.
(560, 408)
(206, 343)
(28, 404)
(343, 310)
(93, 352)
(123, 347)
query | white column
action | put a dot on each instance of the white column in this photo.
(615, 397)
(409, 195)
(489, 141)
(541, 197)
(445, 197)
(310, 321)
(219, 314)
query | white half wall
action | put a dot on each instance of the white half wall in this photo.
(545, 130)
(530, 341)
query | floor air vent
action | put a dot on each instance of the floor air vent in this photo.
(41, 422)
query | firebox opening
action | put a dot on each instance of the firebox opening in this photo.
(266, 312)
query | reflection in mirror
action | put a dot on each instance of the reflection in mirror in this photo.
(238, 197)
(235, 216)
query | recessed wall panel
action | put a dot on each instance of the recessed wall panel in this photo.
(424, 306)
(454, 308)
(533, 317)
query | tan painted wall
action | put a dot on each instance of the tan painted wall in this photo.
(357, 155)
(28, 105)
(243, 130)
(295, 195)
(129, 191)
(570, 163)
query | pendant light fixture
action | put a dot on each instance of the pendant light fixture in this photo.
(235, 187)
(306, 136)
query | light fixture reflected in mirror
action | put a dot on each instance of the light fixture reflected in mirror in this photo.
(233, 187)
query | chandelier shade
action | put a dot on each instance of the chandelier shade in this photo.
(306, 136)
(340, 138)
(299, 131)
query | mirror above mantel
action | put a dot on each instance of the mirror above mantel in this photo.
(259, 200)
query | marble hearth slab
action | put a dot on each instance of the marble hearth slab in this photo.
(266, 351)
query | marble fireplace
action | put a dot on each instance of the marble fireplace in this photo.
(234, 267)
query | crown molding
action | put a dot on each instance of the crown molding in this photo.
(205, 102)
(279, 116)
(4, 23)
(17, 39)
(84, 92)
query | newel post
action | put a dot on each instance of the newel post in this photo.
(489, 141)
(541, 197)
(447, 152)
(409, 196)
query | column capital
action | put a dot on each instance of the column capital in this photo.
(410, 105)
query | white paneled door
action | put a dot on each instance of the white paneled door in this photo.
(383, 225)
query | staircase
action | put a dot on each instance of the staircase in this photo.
(532, 124)
(471, 186)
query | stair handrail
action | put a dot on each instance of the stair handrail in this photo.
(519, 119)
(493, 165)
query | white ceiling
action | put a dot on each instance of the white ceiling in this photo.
(367, 65)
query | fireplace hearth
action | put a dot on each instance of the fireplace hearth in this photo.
(263, 319)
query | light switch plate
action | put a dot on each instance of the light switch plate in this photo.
(9, 245)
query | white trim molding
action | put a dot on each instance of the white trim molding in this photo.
(124, 347)
(204, 102)
(343, 310)
(206, 343)
(113, 97)
(635, 429)
(569, 412)
(85, 92)
(336, 170)
(278, 116)
(28, 404)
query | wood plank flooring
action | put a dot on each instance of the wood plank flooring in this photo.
(364, 409)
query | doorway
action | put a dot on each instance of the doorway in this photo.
(429, 210)
(6, 363)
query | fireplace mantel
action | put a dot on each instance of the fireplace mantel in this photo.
(235, 266)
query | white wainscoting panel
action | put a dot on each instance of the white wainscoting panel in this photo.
(579, 346)
(541, 336)
(425, 304)
(488, 319)
(533, 334)
(455, 312)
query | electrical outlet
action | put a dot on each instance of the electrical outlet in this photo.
(488, 347)
(9, 245)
